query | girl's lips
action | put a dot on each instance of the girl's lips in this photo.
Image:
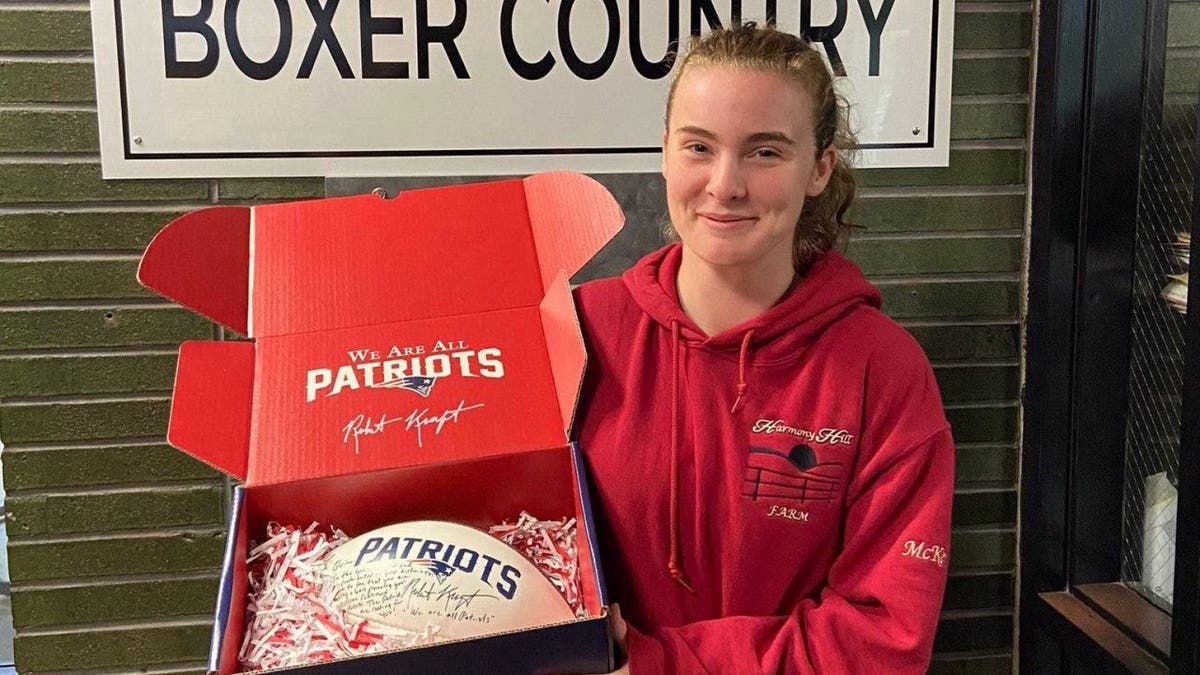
(726, 220)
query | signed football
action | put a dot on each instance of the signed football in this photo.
(456, 579)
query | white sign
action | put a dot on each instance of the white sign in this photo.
(213, 88)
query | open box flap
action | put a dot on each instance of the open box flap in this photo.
(308, 409)
(564, 344)
(411, 393)
(462, 249)
(572, 217)
(210, 413)
(336, 263)
(354, 261)
(201, 261)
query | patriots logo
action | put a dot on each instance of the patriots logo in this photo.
(414, 383)
(437, 568)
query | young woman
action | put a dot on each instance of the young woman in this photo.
(772, 463)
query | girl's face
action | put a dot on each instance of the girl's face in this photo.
(740, 158)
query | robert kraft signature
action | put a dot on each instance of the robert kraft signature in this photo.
(452, 599)
(417, 420)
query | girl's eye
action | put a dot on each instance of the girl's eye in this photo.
(698, 148)
(766, 152)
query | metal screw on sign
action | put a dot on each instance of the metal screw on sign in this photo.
(380, 192)
(916, 131)
(137, 140)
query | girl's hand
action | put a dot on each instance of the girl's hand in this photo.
(619, 627)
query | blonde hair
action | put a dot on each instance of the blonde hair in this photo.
(823, 223)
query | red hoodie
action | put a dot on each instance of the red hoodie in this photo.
(795, 471)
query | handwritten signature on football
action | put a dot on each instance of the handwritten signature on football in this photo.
(451, 598)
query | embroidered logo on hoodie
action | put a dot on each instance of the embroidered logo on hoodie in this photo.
(827, 435)
(794, 476)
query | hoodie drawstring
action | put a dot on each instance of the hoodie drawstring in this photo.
(741, 383)
(673, 563)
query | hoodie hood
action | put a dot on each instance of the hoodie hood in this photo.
(832, 287)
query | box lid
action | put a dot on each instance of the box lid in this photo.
(430, 327)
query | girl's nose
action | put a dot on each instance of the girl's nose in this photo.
(726, 182)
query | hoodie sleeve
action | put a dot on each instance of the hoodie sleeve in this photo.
(879, 611)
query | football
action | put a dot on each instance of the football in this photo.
(456, 580)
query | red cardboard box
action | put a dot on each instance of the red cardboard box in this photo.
(413, 358)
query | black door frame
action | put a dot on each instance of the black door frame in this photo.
(1087, 132)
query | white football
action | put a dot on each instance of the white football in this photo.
(456, 579)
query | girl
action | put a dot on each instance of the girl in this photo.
(772, 463)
